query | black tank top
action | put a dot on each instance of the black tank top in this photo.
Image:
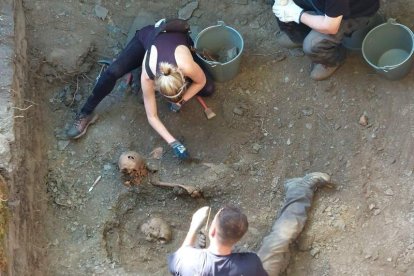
(166, 43)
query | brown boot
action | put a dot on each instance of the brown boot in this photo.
(322, 72)
(79, 127)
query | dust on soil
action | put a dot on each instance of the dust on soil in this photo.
(272, 123)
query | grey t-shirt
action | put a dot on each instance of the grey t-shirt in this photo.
(190, 261)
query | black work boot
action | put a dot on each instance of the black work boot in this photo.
(311, 180)
(80, 125)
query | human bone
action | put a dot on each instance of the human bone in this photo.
(156, 229)
(133, 168)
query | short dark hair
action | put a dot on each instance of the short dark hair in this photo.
(232, 224)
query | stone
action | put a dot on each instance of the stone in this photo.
(187, 11)
(288, 142)
(307, 111)
(62, 144)
(238, 111)
(101, 12)
(363, 120)
(254, 25)
(256, 147)
(314, 251)
(389, 192)
(340, 224)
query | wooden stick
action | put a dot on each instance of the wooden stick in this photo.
(94, 183)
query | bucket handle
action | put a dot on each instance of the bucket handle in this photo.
(220, 23)
(388, 68)
(213, 63)
(391, 21)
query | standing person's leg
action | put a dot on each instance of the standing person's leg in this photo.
(130, 58)
(274, 251)
(326, 51)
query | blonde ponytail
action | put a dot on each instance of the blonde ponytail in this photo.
(169, 81)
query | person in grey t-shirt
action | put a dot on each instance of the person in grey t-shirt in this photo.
(230, 224)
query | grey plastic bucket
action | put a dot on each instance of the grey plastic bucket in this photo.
(216, 39)
(389, 49)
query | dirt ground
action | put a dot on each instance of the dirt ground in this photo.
(272, 123)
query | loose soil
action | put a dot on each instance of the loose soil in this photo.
(272, 123)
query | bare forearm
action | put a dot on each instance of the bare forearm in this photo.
(159, 127)
(193, 90)
(190, 238)
(321, 23)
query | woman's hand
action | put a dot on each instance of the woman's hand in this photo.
(174, 107)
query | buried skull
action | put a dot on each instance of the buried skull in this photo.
(156, 229)
(133, 168)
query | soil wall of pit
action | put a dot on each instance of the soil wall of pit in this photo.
(21, 159)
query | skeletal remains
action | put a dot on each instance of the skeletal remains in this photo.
(156, 229)
(134, 170)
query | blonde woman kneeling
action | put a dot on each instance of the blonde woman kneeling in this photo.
(171, 69)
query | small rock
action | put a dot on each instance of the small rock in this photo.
(107, 167)
(157, 153)
(308, 126)
(101, 12)
(371, 206)
(243, 21)
(238, 111)
(363, 120)
(296, 52)
(256, 147)
(314, 251)
(254, 25)
(389, 192)
(62, 144)
(288, 142)
(377, 212)
(389, 259)
(186, 12)
(307, 111)
(340, 223)
(254, 231)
